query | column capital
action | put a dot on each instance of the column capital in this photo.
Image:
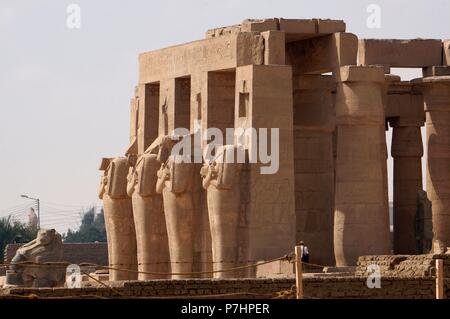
(360, 96)
(436, 92)
(406, 142)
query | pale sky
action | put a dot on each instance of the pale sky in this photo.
(64, 93)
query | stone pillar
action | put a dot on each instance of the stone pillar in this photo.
(314, 123)
(436, 91)
(176, 183)
(407, 151)
(361, 222)
(221, 180)
(405, 113)
(264, 100)
(118, 219)
(149, 220)
(145, 115)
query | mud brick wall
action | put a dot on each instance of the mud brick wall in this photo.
(356, 288)
(317, 287)
(76, 253)
(404, 265)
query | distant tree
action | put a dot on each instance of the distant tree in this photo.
(92, 229)
(13, 231)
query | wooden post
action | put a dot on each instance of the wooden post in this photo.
(439, 279)
(298, 272)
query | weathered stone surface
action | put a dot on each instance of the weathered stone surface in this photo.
(415, 53)
(323, 54)
(274, 47)
(361, 220)
(406, 115)
(119, 223)
(446, 52)
(314, 123)
(269, 204)
(46, 248)
(436, 91)
(323, 287)
(176, 182)
(436, 70)
(423, 224)
(149, 221)
(264, 74)
(221, 179)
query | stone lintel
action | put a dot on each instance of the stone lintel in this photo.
(416, 53)
(259, 25)
(323, 54)
(439, 70)
(392, 78)
(353, 73)
(309, 82)
(432, 79)
(213, 54)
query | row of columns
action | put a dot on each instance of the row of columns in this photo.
(359, 209)
(249, 218)
(340, 201)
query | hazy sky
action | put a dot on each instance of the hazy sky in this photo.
(64, 93)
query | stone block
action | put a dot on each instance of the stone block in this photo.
(259, 25)
(416, 53)
(436, 70)
(322, 54)
(274, 47)
(353, 73)
(330, 26)
(298, 29)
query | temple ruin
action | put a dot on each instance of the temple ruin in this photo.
(332, 96)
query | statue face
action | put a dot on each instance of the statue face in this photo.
(45, 236)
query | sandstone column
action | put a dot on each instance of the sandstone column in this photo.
(407, 151)
(118, 219)
(176, 183)
(407, 116)
(361, 222)
(436, 91)
(314, 123)
(149, 220)
(221, 180)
